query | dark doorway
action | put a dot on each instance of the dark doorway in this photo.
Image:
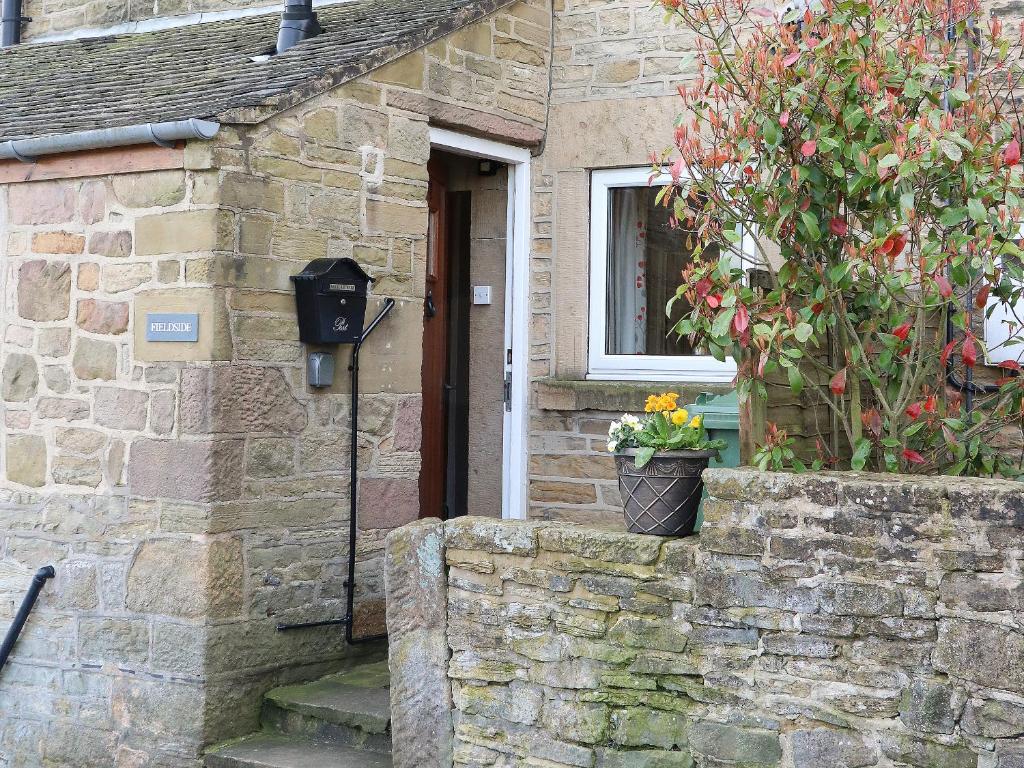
(445, 447)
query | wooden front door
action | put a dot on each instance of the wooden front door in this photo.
(434, 444)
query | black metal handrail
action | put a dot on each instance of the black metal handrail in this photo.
(43, 575)
(353, 524)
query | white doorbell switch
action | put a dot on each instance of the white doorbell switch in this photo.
(481, 294)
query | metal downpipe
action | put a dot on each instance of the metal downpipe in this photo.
(164, 134)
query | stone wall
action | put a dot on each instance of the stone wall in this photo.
(823, 620)
(193, 496)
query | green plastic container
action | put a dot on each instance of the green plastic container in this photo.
(722, 420)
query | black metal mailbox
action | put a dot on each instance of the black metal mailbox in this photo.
(330, 295)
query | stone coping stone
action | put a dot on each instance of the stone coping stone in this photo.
(876, 493)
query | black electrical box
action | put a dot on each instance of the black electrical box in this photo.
(330, 295)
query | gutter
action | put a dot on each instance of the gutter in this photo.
(164, 134)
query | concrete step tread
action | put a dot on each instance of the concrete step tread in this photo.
(268, 750)
(356, 698)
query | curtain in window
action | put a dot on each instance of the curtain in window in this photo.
(627, 286)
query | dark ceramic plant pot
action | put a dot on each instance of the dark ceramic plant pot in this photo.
(662, 498)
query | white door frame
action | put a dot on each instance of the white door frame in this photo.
(517, 298)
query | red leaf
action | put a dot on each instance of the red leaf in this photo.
(792, 59)
(1010, 365)
(873, 421)
(784, 119)
(903, 331)
(898, 244)
(949, 435)
(808, 148)
(838, 227)
(931, 404)
(969, 352)
(945, 289)
(1011, 155)
(887, 246)
(946, 352)
(838, 383)
(982, 298)
(714, 300)
(913, 457)
(741, 319)
(703, 287)
(914, 410)
(764, 13)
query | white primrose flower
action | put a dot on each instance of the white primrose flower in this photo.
(615, 427)
(612, 446)
(631, 421)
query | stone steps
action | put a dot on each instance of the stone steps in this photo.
(340, 721)
(270, 750)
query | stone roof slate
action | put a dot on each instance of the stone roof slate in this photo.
(206, 70)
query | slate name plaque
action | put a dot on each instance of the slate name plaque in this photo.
(172, 326)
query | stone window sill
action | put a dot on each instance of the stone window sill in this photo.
(612, 396)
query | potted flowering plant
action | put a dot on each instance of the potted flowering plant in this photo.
(660, 460)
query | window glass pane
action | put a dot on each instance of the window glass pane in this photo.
(646, 257)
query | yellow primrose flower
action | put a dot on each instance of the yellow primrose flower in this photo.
(696, 422)
(653, 404)
(679, 417)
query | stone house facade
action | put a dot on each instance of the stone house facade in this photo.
(192, 496)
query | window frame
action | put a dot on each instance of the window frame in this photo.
(602, 366)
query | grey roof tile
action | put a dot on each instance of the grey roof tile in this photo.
(206, 70)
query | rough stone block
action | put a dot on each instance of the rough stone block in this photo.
(20, 378)
(993, 719)
(149, 190)
(26, 460)
(58, 242)
(113, 245)
(906, 748)
(120, 408)
(488, 535)
(388, 502)
(108, 317)
(981, 653)
(178, 232)
(736, 744)
(819, 747)
(645, 727)
(599, 545)
(44, 290)
(45, 202)
(416, 586)
(239, 399)
(187, 578)
(119, 640)
(94, 359)
(931, 706)
(192, 471)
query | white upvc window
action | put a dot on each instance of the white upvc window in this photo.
(635, 264)
(1004, 332)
